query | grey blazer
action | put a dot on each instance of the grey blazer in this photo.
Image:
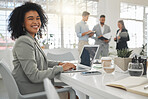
(31, 65)
(97, 28)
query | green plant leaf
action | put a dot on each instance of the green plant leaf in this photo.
(124, 53)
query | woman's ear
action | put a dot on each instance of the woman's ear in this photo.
(23, 27)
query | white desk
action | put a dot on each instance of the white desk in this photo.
(94, 85)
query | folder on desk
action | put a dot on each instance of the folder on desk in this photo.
(132, 84)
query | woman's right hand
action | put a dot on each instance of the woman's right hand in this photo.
(68, 66)
(115, 39)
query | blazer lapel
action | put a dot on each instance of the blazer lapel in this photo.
(100, 29)
(37, 44)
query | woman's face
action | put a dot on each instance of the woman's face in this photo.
(32, 22)
(119, 25)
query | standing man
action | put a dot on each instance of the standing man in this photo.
(102, 38)
(82, 31)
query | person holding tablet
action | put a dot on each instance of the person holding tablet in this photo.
(102, 38)
(122, 36)
(83, 32)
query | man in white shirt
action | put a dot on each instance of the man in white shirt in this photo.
(102, 38)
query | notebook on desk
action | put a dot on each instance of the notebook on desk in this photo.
(132, 84)
(87, 56)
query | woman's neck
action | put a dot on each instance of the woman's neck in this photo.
(32, 34)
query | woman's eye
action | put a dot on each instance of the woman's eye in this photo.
(30, 19)
(38, 18)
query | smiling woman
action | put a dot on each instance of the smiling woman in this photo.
(30, 63)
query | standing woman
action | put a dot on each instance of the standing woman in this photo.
(30, 63)
(121, 41)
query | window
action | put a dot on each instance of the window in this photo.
(53, 34)
(133, 16)
(62, 17)
(130, 11)
(136, 34)
(5, 40)
(146, 28)
(6, 6)
(69, 14)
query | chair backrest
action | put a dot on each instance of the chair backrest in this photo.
(50, 90)
(8, 56)
(60, 57)
(8, 80)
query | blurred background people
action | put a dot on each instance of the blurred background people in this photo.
(101, 30)
(122, 36)
(82, 31)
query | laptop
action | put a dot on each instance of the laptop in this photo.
(87, 56)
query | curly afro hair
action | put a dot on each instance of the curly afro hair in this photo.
(16, 19)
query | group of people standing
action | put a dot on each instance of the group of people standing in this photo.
(98, 32)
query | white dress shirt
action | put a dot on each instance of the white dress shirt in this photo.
(102, 28)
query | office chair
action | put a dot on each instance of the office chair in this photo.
(12, 88)
(61, 57)
(50, 90)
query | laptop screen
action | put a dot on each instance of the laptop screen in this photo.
(88, 55)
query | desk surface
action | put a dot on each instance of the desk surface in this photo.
(95, 85)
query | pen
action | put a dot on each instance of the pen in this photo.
(145, 87)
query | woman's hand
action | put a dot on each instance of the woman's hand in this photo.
(68, 66)
(118, 37)
(115, 39)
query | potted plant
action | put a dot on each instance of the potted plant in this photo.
(45, 44)
(143, 51)
(123, 59)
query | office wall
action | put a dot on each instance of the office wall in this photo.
(111, 8)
